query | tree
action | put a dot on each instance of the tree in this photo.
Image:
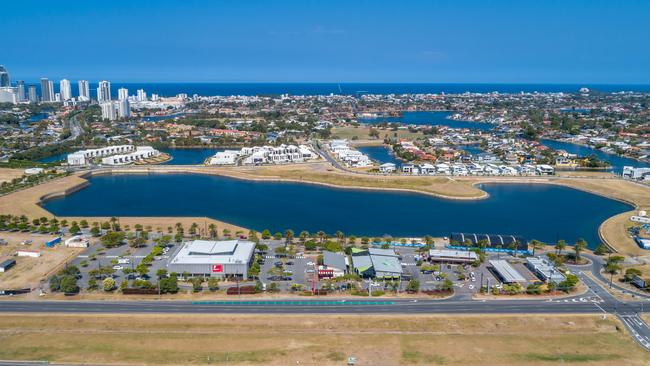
(112, 239)
(413, 286)
(559, 246)
(212, 229)
(277, 236)
(536, 244)
(580, 245)
(288, 235)
(95, 231)
(92, 284)
(601, 249)
(108, 284)
(169, 285)
(631, 273)
(161, 273)
(69, 285)
(213, 284)
(266, 234)
(142, 270)
(197, 284)
(303, 236)
(83, 223)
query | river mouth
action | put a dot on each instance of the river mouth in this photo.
(544, 212)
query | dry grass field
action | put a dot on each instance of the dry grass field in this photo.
(376, 340)
(7, 174)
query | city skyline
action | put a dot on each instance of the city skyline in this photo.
(443, 42)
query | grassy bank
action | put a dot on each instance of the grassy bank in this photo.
(287, 339)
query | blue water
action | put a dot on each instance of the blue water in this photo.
(189, 156)
(211, 88)
(431, 118)
(617, 162)
(544, 212)
(53, 158)
(472, 149)
(161, 118)
(380, 154)
(38, 117)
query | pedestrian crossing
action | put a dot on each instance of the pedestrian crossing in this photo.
(276, 257)
(581, 299)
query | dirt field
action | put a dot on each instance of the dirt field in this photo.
(324, 340)
(7, 174)
(28, 271)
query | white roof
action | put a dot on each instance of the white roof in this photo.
(446, 253)
(214, 252)
(506, 271)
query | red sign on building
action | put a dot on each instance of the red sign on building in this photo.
(217, 268)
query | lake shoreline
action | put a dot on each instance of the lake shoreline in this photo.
(30, 202)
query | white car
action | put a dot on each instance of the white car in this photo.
(310, 263)
(118, 268)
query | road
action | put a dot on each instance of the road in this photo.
(627, 312)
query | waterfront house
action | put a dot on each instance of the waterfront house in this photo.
(227, 157)
(141, 153)
(544, 169)
(387, 168)
(427, 169)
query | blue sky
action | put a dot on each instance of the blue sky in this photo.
(484, 41)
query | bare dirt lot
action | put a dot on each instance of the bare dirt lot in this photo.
(324, 340)
(28, 271)
(7, 174)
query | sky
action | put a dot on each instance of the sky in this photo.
(461, 41)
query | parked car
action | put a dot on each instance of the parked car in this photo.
(118, 268)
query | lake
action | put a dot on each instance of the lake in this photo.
(616, 161)
(192, 156)
(380, 154)
(429, 118)
(534, 211)
(53, 158)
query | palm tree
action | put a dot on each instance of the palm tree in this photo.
(559, 246)
(536, 245)
(321, 236)
(212, 228)
(513, 247)
(303, 236)
(580, 245)
(612, 269)
(340, 236)
(288, 235)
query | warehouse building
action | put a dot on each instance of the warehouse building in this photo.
(6, 264)
(505, 272)
(334, 265)
(225, 258)
(376, 263)
(452, 256)
(544, 269)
